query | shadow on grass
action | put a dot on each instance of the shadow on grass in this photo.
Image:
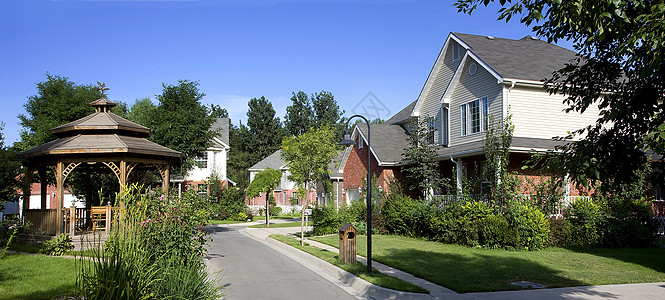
(473, 272)
(651, 258)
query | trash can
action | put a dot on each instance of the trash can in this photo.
(347, 243)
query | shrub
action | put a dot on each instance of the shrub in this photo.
(532, 226)
(241, 216)
(405, 216)
(275, 211)
(496, 232)
(585, 218)
(58, 245)
(325, 220)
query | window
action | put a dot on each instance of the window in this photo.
(456, 52)
(474, 116)
(430, 130)
(294, 199)
(360, 142)
(202, 162)
(352, 195)
(444, 126)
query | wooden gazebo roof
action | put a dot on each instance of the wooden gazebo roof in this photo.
(101, 132)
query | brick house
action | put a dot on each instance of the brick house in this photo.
(285, 192)
(474, 77)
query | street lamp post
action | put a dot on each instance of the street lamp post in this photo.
(347, 141)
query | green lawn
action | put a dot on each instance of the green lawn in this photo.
(472, 270)
(36, 277)
(217, 222)
(357, 269)
(277, 225)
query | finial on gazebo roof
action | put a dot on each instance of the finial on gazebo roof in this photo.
(102, 104)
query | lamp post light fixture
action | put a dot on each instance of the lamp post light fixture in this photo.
(347, 141)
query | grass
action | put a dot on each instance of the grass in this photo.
(277, 225)
(466, 269)
(357, 269)
(36, 277)
(217, 222)
(29, 248)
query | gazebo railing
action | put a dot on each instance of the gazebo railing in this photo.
(43, 220)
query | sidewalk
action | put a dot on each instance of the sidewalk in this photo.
(365, 290)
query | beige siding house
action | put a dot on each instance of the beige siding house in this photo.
(476, 79)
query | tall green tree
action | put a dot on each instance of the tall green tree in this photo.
(620, 68)
(10, 169)
(265, 130)
(142, 112)
(217, 111)
(420, 167)
(181, 122)
(58, 101)
(264, 182)
(239, 156)
(327, 111)
(299, 115)
(307, 157)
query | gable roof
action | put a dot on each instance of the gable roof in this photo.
(273, 161)
(387, 143)
(403, 114)
(527, 58)
(221, 125)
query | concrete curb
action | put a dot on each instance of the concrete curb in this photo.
(343, 279)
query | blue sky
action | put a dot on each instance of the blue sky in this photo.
(237, 50)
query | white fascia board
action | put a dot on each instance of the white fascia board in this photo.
(435, 69)
(221, 143)
(367, 144)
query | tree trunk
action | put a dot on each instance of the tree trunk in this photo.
(267, 210)
(305, 203)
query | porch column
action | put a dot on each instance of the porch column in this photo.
(42, 188)
(458, 175)
(59, 181)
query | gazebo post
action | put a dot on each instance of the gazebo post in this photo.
(166, 180)
(59, 178)
(42, 181)
(123, 175)
(26, 190)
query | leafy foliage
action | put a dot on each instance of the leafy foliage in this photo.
(46, 109)
(498, 137)
(58, 245)
(10, 169)
(153, 252)
(265, 182)
(181, 122)
(299, 115)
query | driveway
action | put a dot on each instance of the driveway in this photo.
(252, 270)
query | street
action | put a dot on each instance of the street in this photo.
(252, 270)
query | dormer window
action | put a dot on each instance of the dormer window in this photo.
(457, 52)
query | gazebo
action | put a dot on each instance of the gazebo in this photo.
(99, 138)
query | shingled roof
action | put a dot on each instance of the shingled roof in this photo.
(527, 58)
(273, 161)
(387, 141)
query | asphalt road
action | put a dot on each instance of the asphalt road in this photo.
(252, 270)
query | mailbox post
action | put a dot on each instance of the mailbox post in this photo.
(347, 243)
